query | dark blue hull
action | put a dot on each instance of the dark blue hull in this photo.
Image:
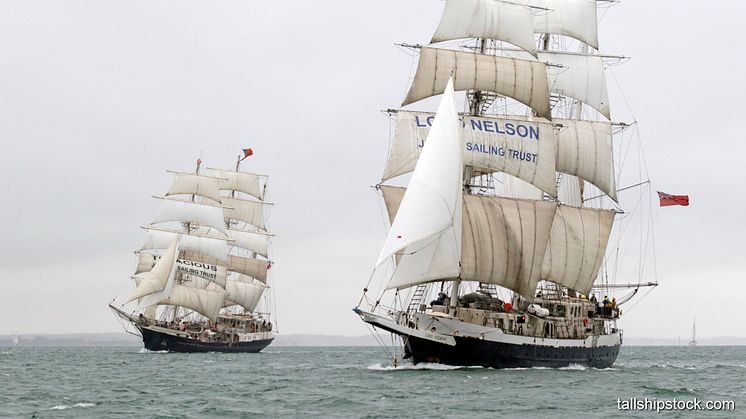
(477, 352)
(159, 341)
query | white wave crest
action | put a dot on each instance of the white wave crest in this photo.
(574, 367)
(414, 367)
(64, 406)
(148, 351)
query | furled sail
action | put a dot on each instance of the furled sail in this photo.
(585, 150)
(251, 212)
(191, 184)
(187, 211)
(255, 268)
(205, 302)
(581, 77)
(574, 18)
(211, 272)
(247, 183)
(159, 238)
(524, 81)
(489, 19)
(427, 228)
(503, 239)
(245, 294)
(576, 246)
(519, 146)
(159, 280)
(257, 242)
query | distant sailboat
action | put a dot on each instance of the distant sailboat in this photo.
(15, 340)
(693, 342)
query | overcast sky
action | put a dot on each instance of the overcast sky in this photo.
(99, 97)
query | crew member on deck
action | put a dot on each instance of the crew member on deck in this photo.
(607, 306)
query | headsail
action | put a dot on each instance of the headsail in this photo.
(427, 227)
(157, 283)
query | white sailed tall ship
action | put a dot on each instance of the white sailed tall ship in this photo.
(201, 279)
(496, 245)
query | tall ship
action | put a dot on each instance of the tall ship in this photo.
(498, 249)
(201, 281)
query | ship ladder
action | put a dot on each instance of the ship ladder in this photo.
(488, 289)
(416, 300)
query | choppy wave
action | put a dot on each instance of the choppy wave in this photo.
(350, 382)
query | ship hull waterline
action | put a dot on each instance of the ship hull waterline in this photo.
(155, 340)
(472, 351)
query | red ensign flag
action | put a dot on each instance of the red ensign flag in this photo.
(247, 152)
(667, 200)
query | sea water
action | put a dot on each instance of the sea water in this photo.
(352, 382)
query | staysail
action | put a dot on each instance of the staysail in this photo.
(427, 227)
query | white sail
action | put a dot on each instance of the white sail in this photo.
(576, 246)
(205, 302)
(245, 294)
(489, 19)
(585, 150)
(503, 239)
(570, 190)
(256, 242)
(159, 280)
(519, 146)
(255, 268)
(191, 184)
(186, 211)
(581, 77)
(211, 272)
(251, 212)
(524, 81)
(247, 183)
(517, 188)
(427, 226)
(574, 18)
(159, 238)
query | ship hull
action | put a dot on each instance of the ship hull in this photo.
(448, 341)
(155, 340)
(485, 353)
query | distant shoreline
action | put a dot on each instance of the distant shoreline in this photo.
(124, 339)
